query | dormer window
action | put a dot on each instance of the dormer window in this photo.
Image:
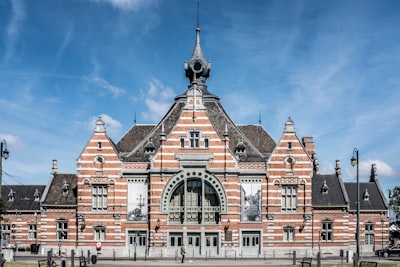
(37, 195)
(240, 148)
(11, 195)
(324, 188)
(149, 148)
(366, 195)
(65, 188)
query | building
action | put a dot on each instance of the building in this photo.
(197, 179)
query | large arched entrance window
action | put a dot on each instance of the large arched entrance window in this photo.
(194, 197)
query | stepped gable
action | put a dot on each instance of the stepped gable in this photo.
(328, 191)
(62, 190)
(23, 197)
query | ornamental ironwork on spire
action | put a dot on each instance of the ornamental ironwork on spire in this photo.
(197, 69)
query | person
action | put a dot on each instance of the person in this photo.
(183, 252)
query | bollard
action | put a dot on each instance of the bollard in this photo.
(72, 258)
(319, 259)
(294, 257)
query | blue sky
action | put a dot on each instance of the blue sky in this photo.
(332, 66)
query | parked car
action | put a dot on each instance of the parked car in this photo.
(393, 250)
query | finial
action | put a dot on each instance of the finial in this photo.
(198, 16)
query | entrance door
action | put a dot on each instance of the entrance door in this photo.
(193, 244)
(137, 242)
(250, 243)
(212, 248)
(175, 244)
(369, 242)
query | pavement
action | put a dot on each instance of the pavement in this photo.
(220, 262)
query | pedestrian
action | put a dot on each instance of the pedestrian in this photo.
(183, 252)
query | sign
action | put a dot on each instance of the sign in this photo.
(59, 244)
(98, 246)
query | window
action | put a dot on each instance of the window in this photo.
(288, 234)
(289, 198)
(98, 145)
(182, 142)
(5, 232)
(194, 201)
(327, 231)
(62, 230)
(369, 227)
(194, 139)
(99, 233)
(206, 142)
(99, 197)
(289, 145)
(32, 231)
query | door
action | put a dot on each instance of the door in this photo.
(212, 244)
(369, 242)
(137, 243)
(193, 244)
(175, 244)
(251, 243)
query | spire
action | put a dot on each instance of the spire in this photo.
(197, 69)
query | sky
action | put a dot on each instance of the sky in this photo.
(332, 66)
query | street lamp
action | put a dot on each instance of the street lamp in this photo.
(3, 154)
(354, 162)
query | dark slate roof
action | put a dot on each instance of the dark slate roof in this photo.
(24, 197)
(259, 144)
(54, 194)
(376, 198)
(334, 196)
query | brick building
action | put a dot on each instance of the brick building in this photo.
(197, 179)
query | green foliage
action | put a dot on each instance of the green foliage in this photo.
(394, 202)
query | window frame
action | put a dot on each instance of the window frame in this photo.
(99, 199)
(289, 199)
(327, 231)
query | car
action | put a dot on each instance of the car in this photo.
(393, 250)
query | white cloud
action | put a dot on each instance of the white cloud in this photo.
(13, 28)
(125, 4)
(12, 141)
(382, 168)
(110, 88)
(158, 100)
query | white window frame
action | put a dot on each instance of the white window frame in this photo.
(99, 197)
(289, 198)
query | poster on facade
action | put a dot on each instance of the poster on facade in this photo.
(250, 201)
(137, 202)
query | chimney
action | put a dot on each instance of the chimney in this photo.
(309, 145)
(54, 167)
(374, 174)
(338, 168)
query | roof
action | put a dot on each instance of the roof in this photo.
(328, 191)
(23, 196)
(62, 190)
(375, 201)
(259, 144)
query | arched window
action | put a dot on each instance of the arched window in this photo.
(194, 200)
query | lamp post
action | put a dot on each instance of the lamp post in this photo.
(3, 154)
(354, 162)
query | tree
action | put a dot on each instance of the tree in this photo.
(394, 202)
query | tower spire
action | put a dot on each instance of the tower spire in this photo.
(197, 69)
